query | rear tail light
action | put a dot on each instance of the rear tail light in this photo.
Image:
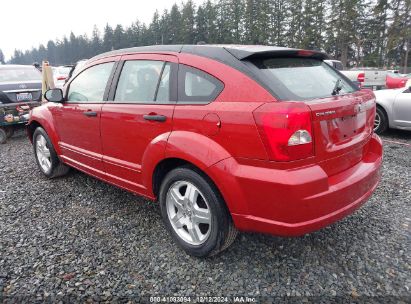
(300, 137)
(61, 78)
(361, 77)
(285, 128)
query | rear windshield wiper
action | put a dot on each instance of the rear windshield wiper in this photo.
(337, 87)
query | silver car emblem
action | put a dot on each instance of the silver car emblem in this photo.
(22, 86)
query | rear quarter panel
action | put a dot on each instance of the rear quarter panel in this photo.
(228, 121)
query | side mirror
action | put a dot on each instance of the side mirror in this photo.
(54, 95)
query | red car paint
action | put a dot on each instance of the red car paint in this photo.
(230, 142)
(395, 82)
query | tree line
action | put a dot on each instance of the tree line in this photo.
(357, 32)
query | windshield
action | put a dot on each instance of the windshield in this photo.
(302, 78)
(19, 74)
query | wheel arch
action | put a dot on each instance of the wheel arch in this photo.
(168, 164)
(179, 148)
(50, 130)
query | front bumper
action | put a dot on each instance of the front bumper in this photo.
(296, 202)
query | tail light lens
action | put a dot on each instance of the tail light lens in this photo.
(361, 77)
(61, 78)
(286, 131)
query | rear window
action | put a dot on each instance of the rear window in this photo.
(301, 78)
(19, 74)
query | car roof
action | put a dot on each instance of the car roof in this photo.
(240, 52)
(235, 56)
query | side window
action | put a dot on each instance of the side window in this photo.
(197, 86)
(163, 93)
(144, 81)
(89, 86)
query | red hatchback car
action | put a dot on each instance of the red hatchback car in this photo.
(225, 138)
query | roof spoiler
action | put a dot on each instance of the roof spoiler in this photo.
(250, 52)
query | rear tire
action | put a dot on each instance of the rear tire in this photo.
(199, 222)
(9, 132)
(380, 121)
(46, 157)
(3, 136)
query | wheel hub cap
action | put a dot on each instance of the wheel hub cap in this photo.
(43, 153)
(377, 121)
(188, 212)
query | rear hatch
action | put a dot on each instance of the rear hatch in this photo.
(12, 92)
(342, 125)
(341, 117)
(19, 83)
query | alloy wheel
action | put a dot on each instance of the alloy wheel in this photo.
(43, 153)
(188, 212)
(377, 121)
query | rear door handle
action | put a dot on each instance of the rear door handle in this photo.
(90, 113)
(155, 117)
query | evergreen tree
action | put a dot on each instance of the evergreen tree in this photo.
(358, 32)
(118, 37)
(2, 61)
(188, 23)
(108, 38)
(174, 26)
(95, 43)
(294, 33)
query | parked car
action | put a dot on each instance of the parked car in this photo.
(393, 109)
(60, 74)
(225, 138)
(336, 64)
(20, 90)
(396, 80)
(365, 77)
(19, 83)
(75, 68)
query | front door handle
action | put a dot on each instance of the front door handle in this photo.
(155, 117)
(90, 113)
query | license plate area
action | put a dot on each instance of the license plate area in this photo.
(343, 129)
(24, 96)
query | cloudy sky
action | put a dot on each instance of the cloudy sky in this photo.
(27, 23)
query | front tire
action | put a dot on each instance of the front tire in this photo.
(46, 157)
(380, 121)
(195, 213)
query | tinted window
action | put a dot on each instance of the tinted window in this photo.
(197, 86)
(89, 86)
(140, 82)
(19, 74)
(301, 78)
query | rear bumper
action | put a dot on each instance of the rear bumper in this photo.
(295, 202)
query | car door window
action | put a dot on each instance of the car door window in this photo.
(90, 85)
(144, 81)
(163, 92)
(197, 86)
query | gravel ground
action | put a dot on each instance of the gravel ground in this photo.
(76, 236)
